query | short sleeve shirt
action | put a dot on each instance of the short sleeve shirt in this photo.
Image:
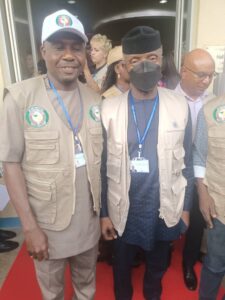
(83, 231)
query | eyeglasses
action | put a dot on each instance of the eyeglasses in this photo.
(202, 75)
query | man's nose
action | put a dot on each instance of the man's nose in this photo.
(68, 53)
(207, 79)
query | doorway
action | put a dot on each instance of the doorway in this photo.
(24, 21)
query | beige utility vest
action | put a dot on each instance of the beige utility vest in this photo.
(215, 165)
(48, 160)
(173, 116)
(111, 92)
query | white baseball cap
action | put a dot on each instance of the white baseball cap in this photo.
(62, 20)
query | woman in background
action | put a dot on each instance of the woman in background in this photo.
(100, 47)
(170, 75)
(116, 79)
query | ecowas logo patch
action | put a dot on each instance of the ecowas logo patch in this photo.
(36, 116)
(94, 113)
(64, 20)
(219, 114)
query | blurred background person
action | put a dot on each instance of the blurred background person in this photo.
(170, 75)
(6, 235)
(117, 78)
(28, 66)
(100, 47)
(197, 73)
(41, 67)
(116, 82)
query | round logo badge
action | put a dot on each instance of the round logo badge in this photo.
(64, 20)
(95, 113)
(36, 116)
(219, 114)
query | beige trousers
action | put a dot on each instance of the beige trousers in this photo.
(50, 276)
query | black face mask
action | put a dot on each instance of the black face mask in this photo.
(145, 75)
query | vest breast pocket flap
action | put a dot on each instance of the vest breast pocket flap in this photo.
(42, 147)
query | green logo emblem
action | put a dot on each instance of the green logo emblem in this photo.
(64, 20)
(219, 114)
(36, 116)
(94, 113)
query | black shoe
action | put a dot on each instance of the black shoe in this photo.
(6, 235)
(190, 278)
(8, 246)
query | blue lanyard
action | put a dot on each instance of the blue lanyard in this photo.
(141, 140)
(61, 103)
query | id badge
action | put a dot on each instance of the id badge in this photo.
(79, 160)
(139, 165)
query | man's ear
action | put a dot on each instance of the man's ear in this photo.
(183, 72)
(43, 50)
(116, 68)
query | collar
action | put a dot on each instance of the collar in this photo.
(97, 70)
(179, 90)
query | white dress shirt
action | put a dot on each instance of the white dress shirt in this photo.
(194, 104)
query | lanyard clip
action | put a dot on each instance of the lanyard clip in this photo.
(139, 150)
(77, 144)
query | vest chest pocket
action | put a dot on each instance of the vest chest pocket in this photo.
(178, 161)
(42, 198)
(114, 161)
(42, 147)
(217, 147)
(174, 137)
(97, 143)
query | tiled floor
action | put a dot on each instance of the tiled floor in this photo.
(7, 258)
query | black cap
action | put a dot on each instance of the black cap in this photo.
(141, 39)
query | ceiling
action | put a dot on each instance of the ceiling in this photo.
(113, 18)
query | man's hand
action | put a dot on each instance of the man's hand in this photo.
(186, 218)
(36, 240)
(86, 68)
(37, 243)
(206, 203)
(107, 228)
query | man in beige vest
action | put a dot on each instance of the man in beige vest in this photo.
(147, 167)
(51, 146)
(197, 72)
(209, 168)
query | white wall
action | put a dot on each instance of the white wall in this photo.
(211, 23)
(1, 86)
(208, 30)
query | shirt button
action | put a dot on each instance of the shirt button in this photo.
(177, 173)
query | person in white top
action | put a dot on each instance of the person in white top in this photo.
(100, 47)
(197, 73)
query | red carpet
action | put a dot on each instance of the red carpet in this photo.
(21, 284)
